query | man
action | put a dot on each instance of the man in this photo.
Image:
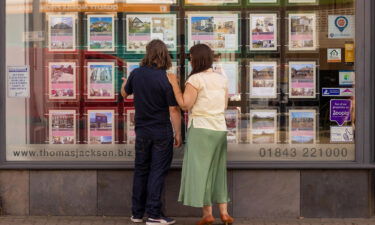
(155, 109)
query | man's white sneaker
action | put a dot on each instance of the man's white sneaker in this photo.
(160, 221)
(136, 220)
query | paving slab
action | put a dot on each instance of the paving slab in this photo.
(89, 220)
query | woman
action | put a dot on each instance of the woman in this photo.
(204, 173)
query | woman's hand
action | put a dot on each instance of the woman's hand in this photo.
(173, 79)
(124, 80)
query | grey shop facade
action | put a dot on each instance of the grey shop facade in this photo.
(300, 117)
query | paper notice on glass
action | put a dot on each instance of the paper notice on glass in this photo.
(349, 53)
(230, 69)
(62, 126)
(101, 126)
(62, 80)
(215, 29)
(263, 32)
(342, 134)
(62, 33)
(232, 121)
(263, 127)
(302, 79)
(18, 81)
(130, 126)
(143, 28)
(263, 79)
(101, 33)
(341, 26)
(302, 32)
(101, 80)
(302, 126)
(334, 55)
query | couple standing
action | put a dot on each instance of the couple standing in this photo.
(158, 99)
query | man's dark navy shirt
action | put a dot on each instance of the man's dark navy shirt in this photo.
(153, 95)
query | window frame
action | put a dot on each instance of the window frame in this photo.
(365, 68)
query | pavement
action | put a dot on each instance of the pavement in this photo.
(58, 220)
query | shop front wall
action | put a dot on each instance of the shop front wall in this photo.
(300, 116)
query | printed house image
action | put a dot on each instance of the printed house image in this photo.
(101, 26)
(302, 24)
(203, 24)
(136, 25)
(62, 121)
(302, 73)
(101, 74)
(100, 121)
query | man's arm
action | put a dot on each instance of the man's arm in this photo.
(175, 114)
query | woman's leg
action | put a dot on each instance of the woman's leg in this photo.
(223, 207)
(207, 211)
(224, 216)
(207, 218)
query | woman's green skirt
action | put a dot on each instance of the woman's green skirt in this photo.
(204, 171)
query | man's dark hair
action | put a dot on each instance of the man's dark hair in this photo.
(201, 58)
(157, 55)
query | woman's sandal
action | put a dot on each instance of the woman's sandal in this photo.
(227, 219)
(208, 220)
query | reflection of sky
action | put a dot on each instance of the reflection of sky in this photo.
(259, 68)
(65, 20)
(106, 139)
(199, 18)
(300, 66)
(132, 67)
(108, 114)
(103, 19)
(302, 115)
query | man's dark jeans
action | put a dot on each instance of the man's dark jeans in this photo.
(152, 161)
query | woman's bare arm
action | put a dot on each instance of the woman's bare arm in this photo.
(226, 98)
(187, 99)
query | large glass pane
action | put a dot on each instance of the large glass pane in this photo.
(290, 64)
